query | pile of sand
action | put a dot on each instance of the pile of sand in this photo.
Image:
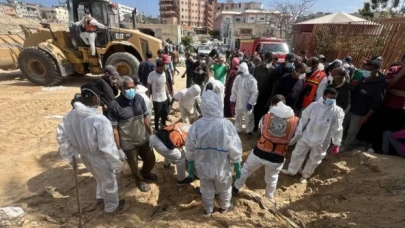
(11, 24)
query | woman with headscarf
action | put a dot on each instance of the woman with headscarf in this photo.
(228, 112)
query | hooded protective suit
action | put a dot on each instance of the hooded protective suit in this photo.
(86, 132)
(219, 88)
(244, 92)
(213, 144)
(141, 90)
(254, 162)
(322, 123)
(188, 99)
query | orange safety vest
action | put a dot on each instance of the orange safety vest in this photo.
(177, 134)
(89, 27)
(276, 133)
(311, 86)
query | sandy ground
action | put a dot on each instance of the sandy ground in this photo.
(11, 24)
(350, 190)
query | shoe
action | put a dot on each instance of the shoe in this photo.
(250, 134)
(150, 176)
(121, 205)
(144, 187)
(186, 181)
(235, 191)
(229, 209)
(303, 180)
(286, 172)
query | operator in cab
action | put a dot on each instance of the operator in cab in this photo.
(89, 35)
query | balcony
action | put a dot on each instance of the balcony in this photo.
(166, 4)
(167, 13)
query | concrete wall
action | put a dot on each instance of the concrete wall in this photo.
(163, 31)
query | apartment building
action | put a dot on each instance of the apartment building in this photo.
(199, 14)
(7, 10)
(24, 9)
(124, 11)
(55, 14)
(229, 5)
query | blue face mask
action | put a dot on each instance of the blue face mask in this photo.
(290, 65)
(330, 102)
(130, 93)
(366, 74)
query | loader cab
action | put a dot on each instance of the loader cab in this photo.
(100, 10)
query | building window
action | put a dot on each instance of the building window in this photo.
(226, 7)
(240, 5)
(218, 8)
(262, 19)
(237, 19)
(182, 17)
(252, 18)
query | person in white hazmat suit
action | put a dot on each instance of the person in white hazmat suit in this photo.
(141, 90)
(212, 144)
(87, 132)
(321, 122)
(169, 142)
(277, 130)
(243, 98)
(217, 86)
(189, 102)
(90, 26)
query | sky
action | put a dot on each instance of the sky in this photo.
(151, 7)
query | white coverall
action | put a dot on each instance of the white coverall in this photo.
(219, 88)
(213, 144)
(188, 98)
(89, 38)
(253, 162)
(244, 91)
(86, 132)
(321, 123)
(176, 156)
(141, 90)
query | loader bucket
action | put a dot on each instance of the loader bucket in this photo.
(10, 47)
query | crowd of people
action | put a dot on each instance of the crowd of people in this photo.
(303, 101)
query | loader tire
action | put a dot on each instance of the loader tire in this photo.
(39, 67)
(124, 62)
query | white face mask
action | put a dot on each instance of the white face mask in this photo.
(268, 65)
(302, 76)
(330, 78)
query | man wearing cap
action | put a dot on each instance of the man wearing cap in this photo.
(90, 26)
(286, 67)
(108, 87)
(266, 77)
(86, 132)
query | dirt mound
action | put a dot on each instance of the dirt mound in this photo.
(351, 189)
(12, 24)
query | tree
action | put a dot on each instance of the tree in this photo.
(384, 8)
(187, 42)
(288, 13)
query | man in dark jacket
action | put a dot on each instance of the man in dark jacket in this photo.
(291, 86)
(367, 96)
(286, 67)
(343, 87)
(107, 84)
(145, 68)
(190, 67)
(266, 76)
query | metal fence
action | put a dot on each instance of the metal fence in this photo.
(360, 40)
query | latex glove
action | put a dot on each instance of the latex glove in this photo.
(249, 107)
(122, 155)
(237, 169)
(335, 150)
(191, 169)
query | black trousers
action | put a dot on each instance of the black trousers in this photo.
(260, 110)
(161, 110)
(189, 81)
